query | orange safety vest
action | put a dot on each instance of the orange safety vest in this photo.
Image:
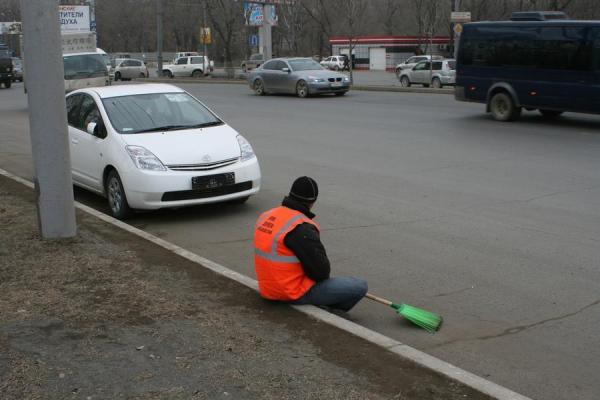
(279, 273)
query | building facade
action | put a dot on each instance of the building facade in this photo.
(383, 53)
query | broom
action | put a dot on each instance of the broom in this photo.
(427, 320)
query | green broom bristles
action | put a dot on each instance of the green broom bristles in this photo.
(427, 320)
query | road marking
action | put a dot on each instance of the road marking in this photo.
(425, 360)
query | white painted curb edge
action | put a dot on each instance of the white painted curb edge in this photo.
(425, 360)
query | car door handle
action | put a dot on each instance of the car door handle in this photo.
(74, 141)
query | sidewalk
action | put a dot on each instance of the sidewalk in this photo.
(110, 315)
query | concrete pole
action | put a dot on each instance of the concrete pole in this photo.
(205, 55)
(456, 36)
(159, 37)
(48, 118)
(265, 32)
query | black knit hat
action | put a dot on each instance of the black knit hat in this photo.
(305, 189)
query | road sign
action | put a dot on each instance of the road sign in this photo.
(253, 40)
(205, 36)
(458, 28)
(460, 16)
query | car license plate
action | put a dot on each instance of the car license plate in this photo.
(336, 84)
(213, 181)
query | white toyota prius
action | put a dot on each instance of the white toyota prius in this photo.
(154, 146)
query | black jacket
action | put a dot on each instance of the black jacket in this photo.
(305, 242)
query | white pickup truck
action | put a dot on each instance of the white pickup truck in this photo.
(195, 66)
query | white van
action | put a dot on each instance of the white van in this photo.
(84, 70)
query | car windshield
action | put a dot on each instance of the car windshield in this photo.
(84, 66)
(305, 65)
(157, 112)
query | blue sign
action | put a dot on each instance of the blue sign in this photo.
(253, 40)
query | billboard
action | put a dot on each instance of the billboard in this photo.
(254, 14)
(74, 18)
(78, 42)
(10, 28)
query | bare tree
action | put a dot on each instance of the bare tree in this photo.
(352, 24)
(226, 18)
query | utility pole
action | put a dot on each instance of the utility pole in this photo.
(48, 119)
(203, 36)
(456, 35)
(264, 32)
(159, 36)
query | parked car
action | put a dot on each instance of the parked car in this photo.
(412, 61)
(185, 54)
(335, 63)
(302, 76)
(442, 72)
(6, 67)
(129, 68)
(195, 66)
(255, 61)
(154, 146)
(17, 69)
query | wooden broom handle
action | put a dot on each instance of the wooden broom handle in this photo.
(379, 299)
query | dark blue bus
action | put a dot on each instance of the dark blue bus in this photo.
(531, 62)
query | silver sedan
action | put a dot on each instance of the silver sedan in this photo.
(300, 76)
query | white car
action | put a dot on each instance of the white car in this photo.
(412, 61)
(335, 63)
(195, 66)
(154, 146)
(129, 68)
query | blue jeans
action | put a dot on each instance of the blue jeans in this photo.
(341, 293)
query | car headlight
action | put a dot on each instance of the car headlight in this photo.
(144, 159)
(245, 148)
(346, 79)
(315, 79)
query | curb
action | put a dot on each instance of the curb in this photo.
(370, 88)
(420, 358)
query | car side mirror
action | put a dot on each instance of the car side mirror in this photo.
(92, 128)
(96, 129)
(286, 70)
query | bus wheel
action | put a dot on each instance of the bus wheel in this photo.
(503, 107)
(550, 113)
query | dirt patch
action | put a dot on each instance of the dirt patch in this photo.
(109, 315)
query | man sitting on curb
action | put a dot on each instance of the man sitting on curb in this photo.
(289, 259)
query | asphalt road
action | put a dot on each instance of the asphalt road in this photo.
(494, 225)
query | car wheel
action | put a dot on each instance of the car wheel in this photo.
(550, 113)
(168, 73)
(142, 75)
(197, 73)
(259, 87)
(302, 89)
(117, 76)
(336, 68)
(115, 193)
(340, 93)
(404, 81)
(436, 83)
(503, 107)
